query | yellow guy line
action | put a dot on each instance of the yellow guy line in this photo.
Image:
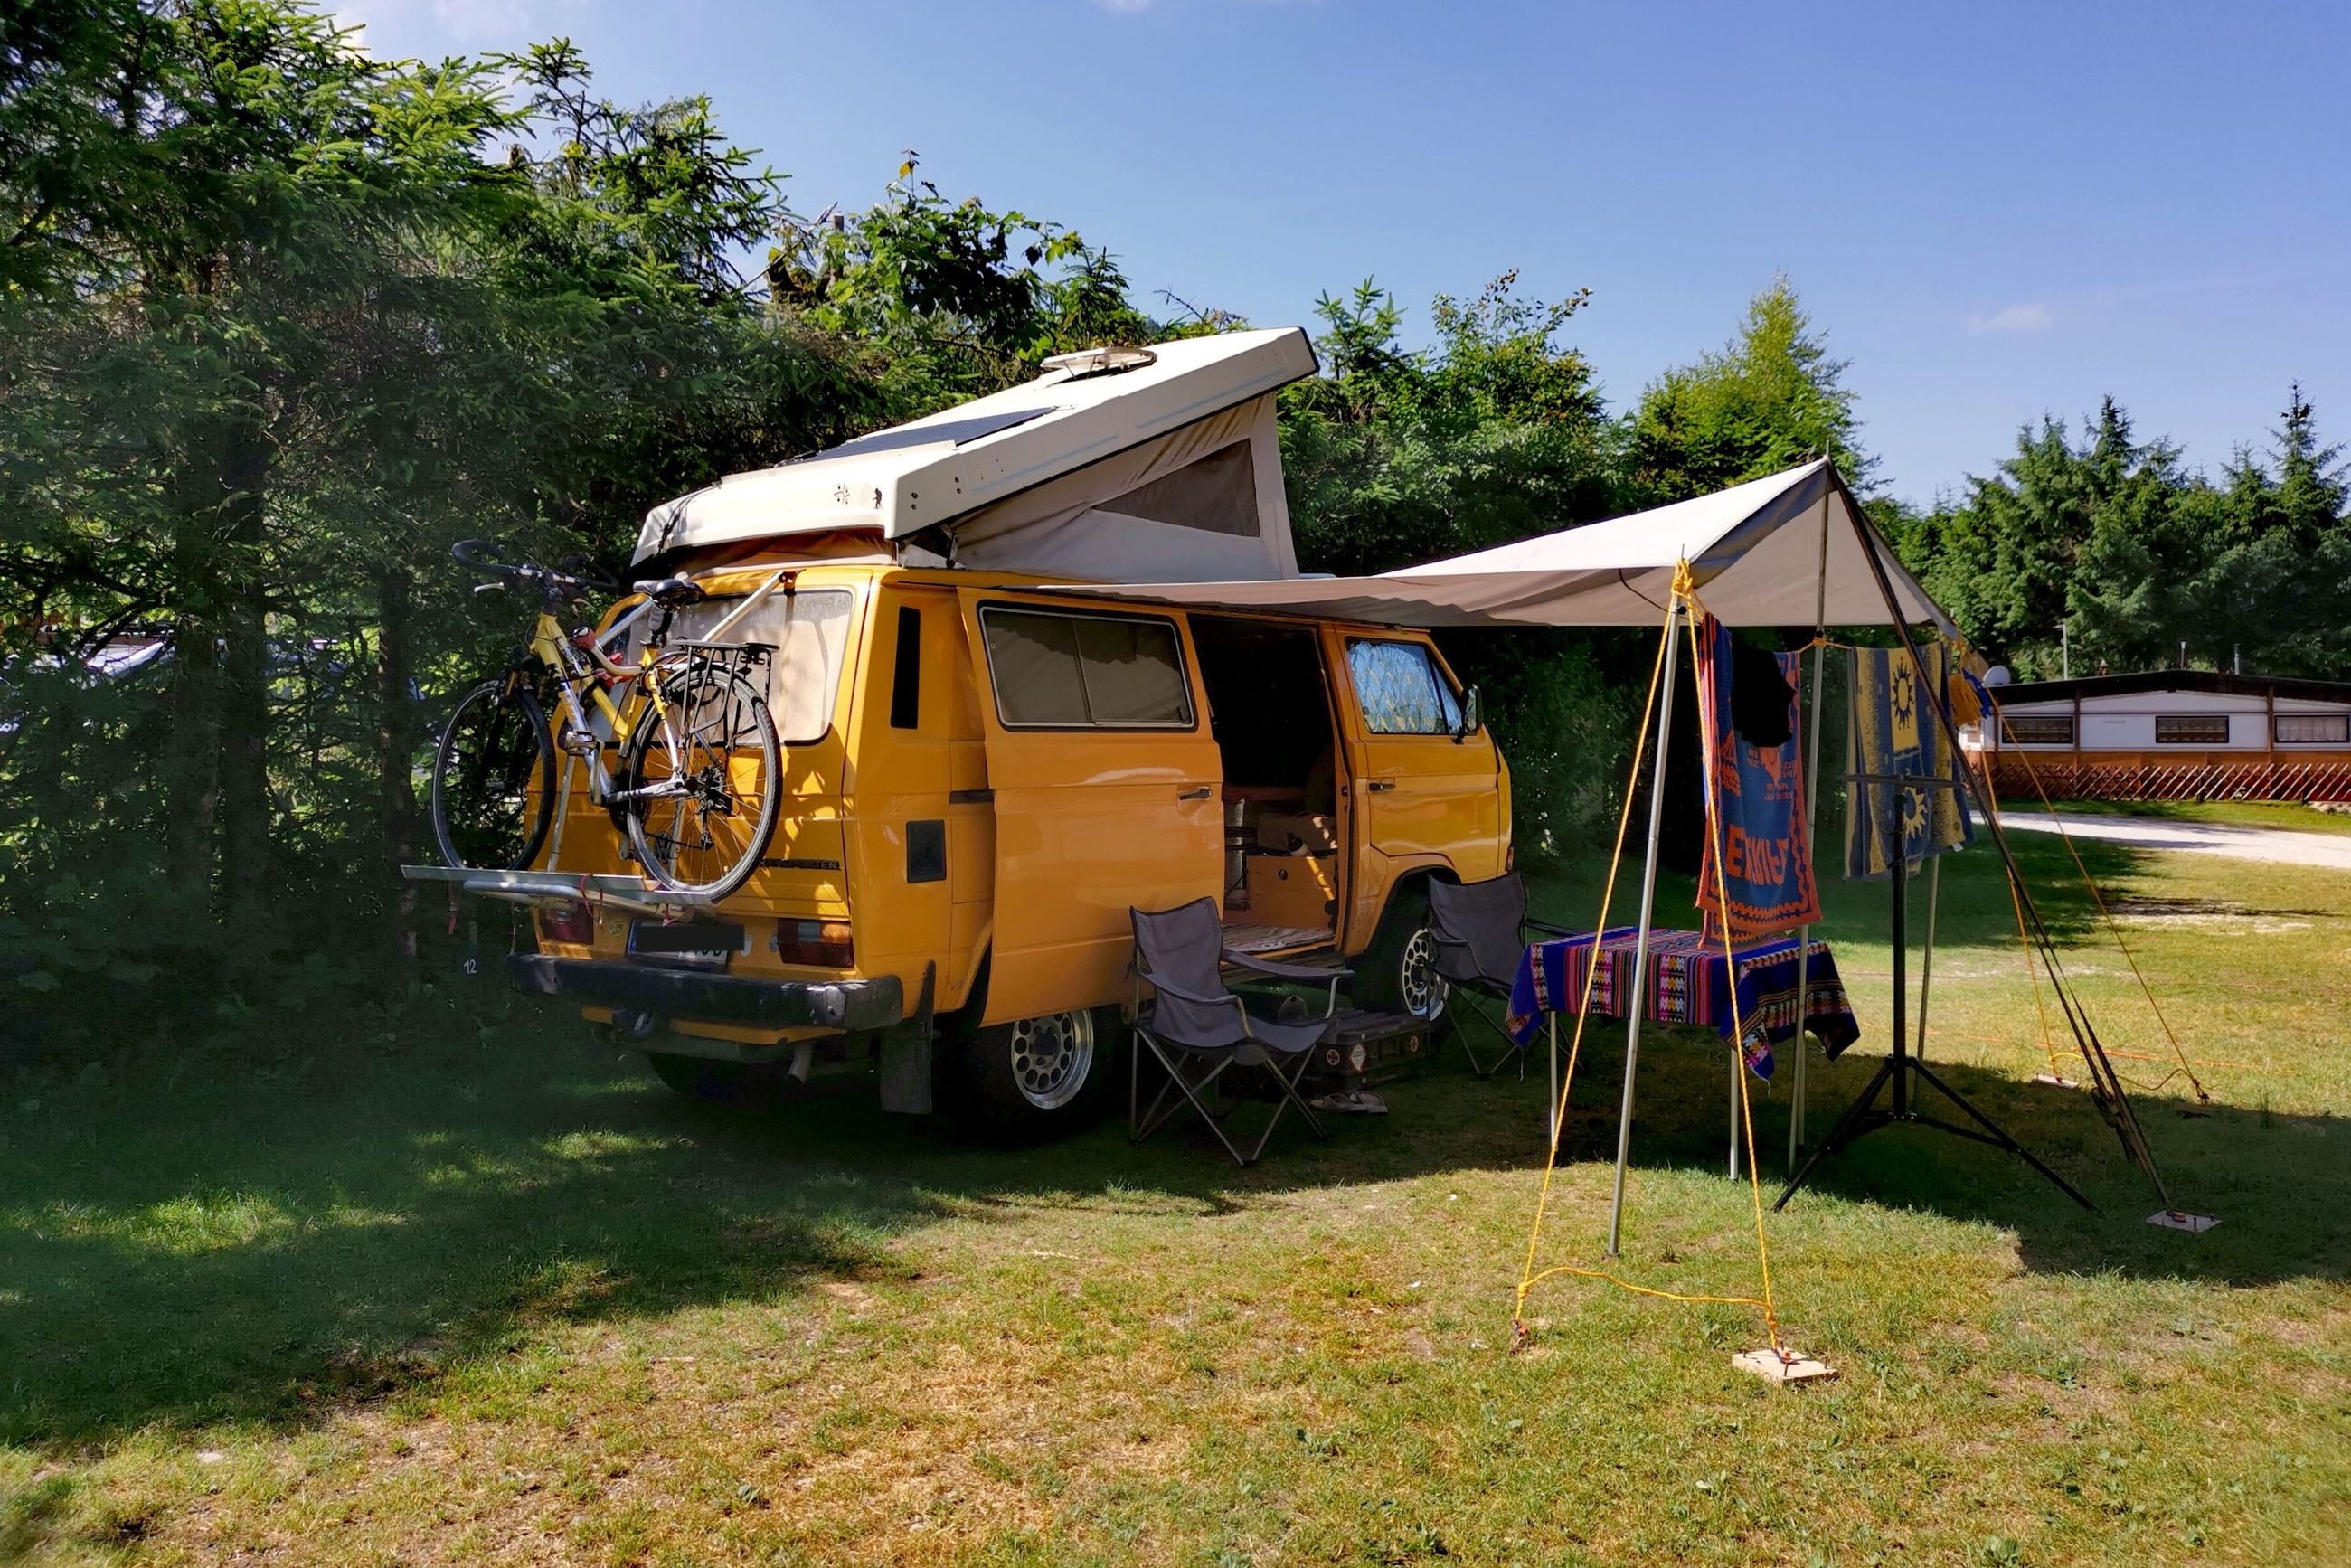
(1712, 794)
(1528, 1276)
(2113, 927)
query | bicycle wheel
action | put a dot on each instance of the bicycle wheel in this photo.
(494, 780)
(703, 782)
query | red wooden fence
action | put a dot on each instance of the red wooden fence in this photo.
(2069, 777)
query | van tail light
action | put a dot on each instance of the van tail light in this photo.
(823, 944)
(573, 923)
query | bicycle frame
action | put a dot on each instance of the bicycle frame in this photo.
(574, 671)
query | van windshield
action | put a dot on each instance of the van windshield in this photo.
(810, 631)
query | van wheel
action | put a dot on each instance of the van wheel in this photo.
(1397, 973)
(718, 1082)
(1031, 1079)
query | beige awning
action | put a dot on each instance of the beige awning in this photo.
(1787, 550)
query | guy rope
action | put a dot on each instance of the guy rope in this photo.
(1684, 604)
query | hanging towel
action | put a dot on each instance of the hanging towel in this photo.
(1894, 737)
(1747, 700)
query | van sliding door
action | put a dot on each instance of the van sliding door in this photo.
(1107, 789)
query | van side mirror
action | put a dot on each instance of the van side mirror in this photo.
(1473, 715)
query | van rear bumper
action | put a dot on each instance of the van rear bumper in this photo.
(875, 1003)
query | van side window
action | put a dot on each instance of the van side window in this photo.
(1061, 671)
(906, 677)
(1401, 689)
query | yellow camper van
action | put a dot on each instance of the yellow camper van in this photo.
(994, 745)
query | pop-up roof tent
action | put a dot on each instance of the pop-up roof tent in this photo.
(1156, 474)
(1157, 465)
(1784, 550)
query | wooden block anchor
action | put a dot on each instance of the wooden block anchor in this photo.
(1782, 1366)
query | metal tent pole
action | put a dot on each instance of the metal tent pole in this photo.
(1926, 960)
(1641, 941)
(1811, 822)
(1553, 1118)
(1737, 1065)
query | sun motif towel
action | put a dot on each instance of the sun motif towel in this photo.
(1894, 737)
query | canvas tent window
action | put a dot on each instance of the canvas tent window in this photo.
(1216, 494)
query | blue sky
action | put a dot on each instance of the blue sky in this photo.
(1995, 210)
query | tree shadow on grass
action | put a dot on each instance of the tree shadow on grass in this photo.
(2275, 1180)
(256, 1246)
(244, 1247)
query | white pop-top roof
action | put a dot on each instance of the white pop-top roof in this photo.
(1198, 403)
(1786, 551)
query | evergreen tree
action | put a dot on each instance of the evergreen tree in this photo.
(1771, 399)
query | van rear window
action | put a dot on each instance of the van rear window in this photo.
(809, 633)
(1057, 671)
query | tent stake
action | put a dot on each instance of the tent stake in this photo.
(1641, 942)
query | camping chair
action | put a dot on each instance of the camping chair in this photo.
(1480, 930)
(1197, 1028)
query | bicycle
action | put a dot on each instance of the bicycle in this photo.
(697, 786)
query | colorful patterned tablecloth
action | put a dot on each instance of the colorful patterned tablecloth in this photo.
(1685, 986)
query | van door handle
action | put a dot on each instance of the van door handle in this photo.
(1201, 793)
(1376, 785)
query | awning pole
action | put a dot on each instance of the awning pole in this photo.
(1812, 821)
(1634, 1004)
(1553, 1118)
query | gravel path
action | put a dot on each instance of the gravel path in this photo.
(2330, 850)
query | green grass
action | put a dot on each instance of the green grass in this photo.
(496, 1296)
(2229, 813)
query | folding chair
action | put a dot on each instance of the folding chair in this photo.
(1480, 931)
(1197, 1028)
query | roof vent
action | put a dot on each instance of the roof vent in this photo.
(1100, 361)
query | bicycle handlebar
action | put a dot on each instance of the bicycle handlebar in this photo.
(484, 554)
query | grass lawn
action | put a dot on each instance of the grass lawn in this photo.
(493, 1296)
(2227, 813)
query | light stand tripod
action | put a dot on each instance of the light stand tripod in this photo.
(1865, 1116)
(1894, 1074)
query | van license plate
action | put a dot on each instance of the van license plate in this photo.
(693, 944)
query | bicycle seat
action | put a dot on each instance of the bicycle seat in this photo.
(674, 593)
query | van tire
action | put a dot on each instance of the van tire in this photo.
(1397, 973)
(1031, 1080)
